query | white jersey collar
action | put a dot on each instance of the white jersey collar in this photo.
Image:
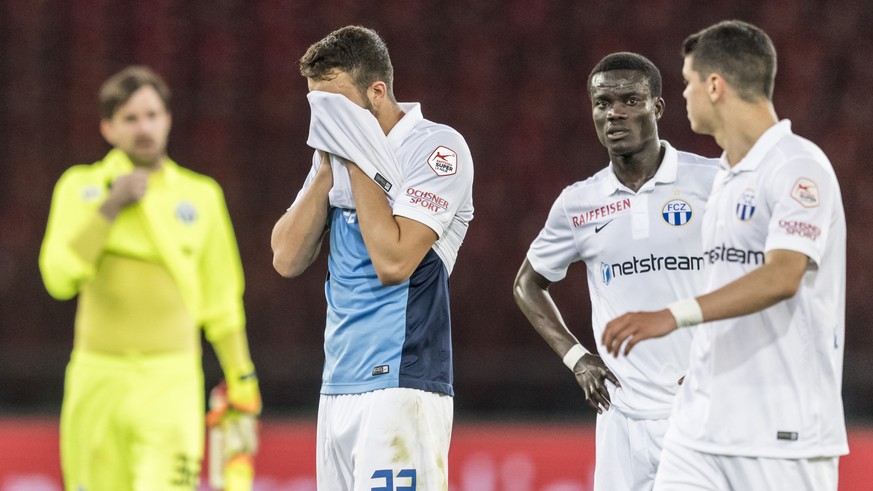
(759, 150)
(666, 173)
(404, 127)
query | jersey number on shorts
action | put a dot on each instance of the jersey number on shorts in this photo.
(388, 476)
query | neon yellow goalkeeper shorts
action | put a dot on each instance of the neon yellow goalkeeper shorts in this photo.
(132, 423)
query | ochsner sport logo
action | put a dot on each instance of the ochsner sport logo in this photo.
(426, 199)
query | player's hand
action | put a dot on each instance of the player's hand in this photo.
(241, 433)
(351, 166)
(633, 327)
(130, 188)
(237, 417)
(233, 432)
(125, 191)
(241, 422)
(243, 393)
(591, 374)
(324, 166)
(324, 174)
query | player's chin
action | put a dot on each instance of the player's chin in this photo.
(146, 155)
(698, 127)
(625, 145)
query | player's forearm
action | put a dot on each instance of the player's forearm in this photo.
(110, 208)
(68, 256)
(394, 255)
(87, 242)
(233, 354)
(536, 303)
(777, 280)
(545, 318)
(297, 236)
(296, 241)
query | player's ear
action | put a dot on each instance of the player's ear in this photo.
(106, 131)
(377, 92)
(660, 105)
(715, 86)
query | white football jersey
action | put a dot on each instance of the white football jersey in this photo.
(768, 384)
(642, 251)
(379, 336)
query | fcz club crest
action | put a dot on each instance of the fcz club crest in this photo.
(746, 205)
(186, 212)
(677, 212)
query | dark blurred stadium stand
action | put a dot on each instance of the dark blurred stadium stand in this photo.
(509, 75)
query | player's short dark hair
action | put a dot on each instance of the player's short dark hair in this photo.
(356, 50)
(738, 51)
(117, 89)
(629, 61)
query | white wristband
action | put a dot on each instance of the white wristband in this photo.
(573, 355)
(686, 312)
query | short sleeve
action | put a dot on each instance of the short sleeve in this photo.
(316, 160)
(554, 249)
(438, 184)
(803, 198)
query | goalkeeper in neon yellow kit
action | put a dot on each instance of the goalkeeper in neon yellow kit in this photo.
(149, 249)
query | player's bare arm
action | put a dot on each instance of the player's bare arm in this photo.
(775, 281)
(298, 234)
(531, 291)
(396, 244)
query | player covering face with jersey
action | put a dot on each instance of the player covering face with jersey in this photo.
(392, 192)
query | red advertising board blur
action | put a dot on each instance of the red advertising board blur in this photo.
(488, 456)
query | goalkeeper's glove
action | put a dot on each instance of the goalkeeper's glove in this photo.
(233, 432)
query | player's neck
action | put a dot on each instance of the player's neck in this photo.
(389, 116)
(634, 170)
(149, 165)
(743, 128)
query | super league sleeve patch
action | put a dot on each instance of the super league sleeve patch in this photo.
(443, 161)
(805, 192)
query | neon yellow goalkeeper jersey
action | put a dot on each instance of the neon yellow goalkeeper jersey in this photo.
(146, 281)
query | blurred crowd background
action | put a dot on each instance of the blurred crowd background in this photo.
(509, 75)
